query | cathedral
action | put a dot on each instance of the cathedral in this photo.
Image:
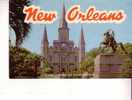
(63, 55)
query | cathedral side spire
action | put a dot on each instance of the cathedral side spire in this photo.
(45, 34)
(81, 46)
(45, 43)
(82, 41)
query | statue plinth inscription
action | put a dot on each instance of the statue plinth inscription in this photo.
(108, 65)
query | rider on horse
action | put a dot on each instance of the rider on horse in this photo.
(109, 41)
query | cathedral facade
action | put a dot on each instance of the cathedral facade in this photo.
(63, 55)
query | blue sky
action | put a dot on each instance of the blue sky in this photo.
(93, 32)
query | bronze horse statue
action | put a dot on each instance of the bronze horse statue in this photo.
(110, 42)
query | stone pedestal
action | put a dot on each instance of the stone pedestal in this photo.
(108, 66)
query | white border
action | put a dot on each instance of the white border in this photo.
(57, 89)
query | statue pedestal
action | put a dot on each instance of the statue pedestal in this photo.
(108, 66)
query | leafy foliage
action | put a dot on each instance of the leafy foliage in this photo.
(45, 68)
(127, 68)
(23, 64)
(87, 66)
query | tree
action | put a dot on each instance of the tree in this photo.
(87, 66)
(46, 68)
(16, 19)
(127, 68)
(128, 48)
(23, 63)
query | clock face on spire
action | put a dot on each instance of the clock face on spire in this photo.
(63, 44)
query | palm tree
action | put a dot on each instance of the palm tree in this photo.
(16, 20)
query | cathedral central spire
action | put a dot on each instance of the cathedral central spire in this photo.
(63, 27)
(63, 22)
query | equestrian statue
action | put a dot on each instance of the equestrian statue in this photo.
(110, 42)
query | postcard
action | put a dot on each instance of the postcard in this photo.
(70, 39)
